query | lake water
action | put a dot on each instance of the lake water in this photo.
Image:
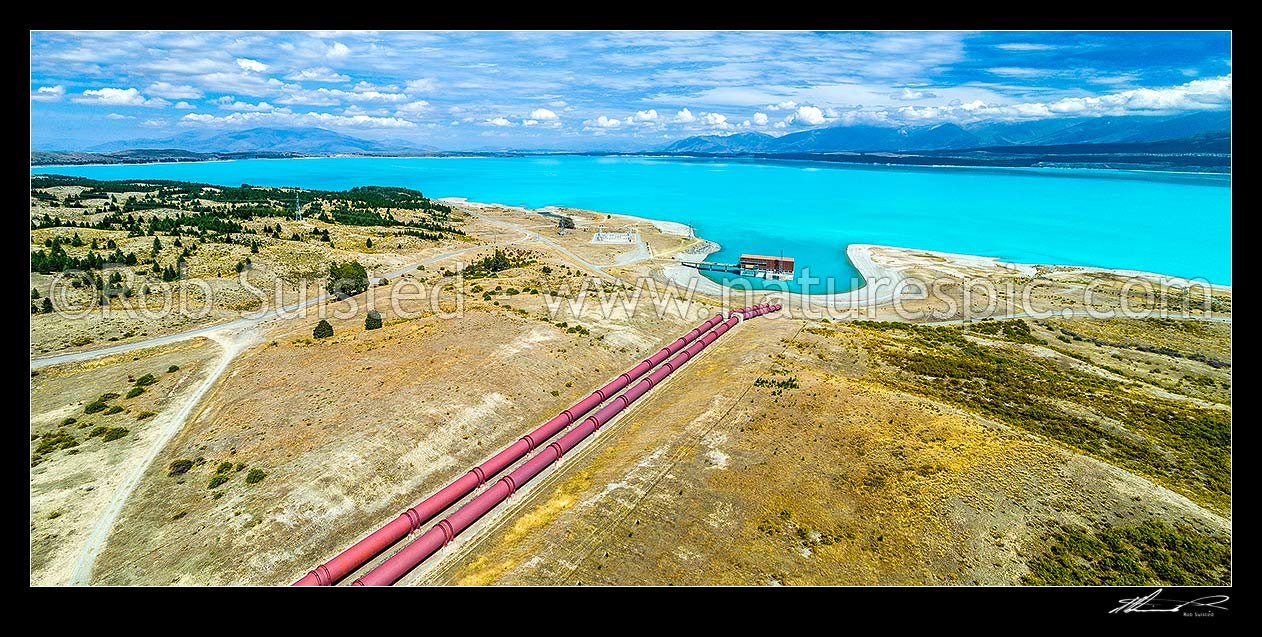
(1171, 224)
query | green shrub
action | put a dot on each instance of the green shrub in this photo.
(173, 368)
(224, 467)
(179, 515)
(69, 421)
(147, 379)
(240, 466)
(135, 391)
(145, 414)
(373, 320)
(54, 440)
(322, 330)
(94, 406)
(114, 433)
(178, 467)
(255, 476)
(113, 409)
(216, 495)
(1151, 554)
(217, 479)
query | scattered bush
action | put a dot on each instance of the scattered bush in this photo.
(145, 414)
(178, 467)
(224, 467)
(179, 515)
(135, 391)
(240, 466)
(173, 368)
(113, 409)
(217, 479)
(69, 421)
(115, 433)
(1151, 554)
(146, 380)
(55, 440)
(373, 320)
(322, 330)
(255, 476)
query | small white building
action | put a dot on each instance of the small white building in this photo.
(630, 236)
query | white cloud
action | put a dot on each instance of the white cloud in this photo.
(318, 74)
(375, 96)
(184, 106)
(423, 85)
(1018, 71)
(119, 97)
(646, 116)
(318, 97)
(558, 104)
(337, 50)
(242, 83)
(118, 116)
(330, 97)
(356, 109)
(542, 114)
(172, 91)
(605, 122)
(781, 124)
(529, 122)
(685, 116)
(808, 115)
(760, 119)
(413, 108)
(907, 95)
(499, 121)
(716, 120)
(1024, 46)
(48, 93)
(240, 120)
(245, 107)
(1207, 94)
(251, 65)
(787, 105)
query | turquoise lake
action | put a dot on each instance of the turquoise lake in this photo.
(1175, 224)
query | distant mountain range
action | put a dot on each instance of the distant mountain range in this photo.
(1199, 141)
(303, 141)
(1053, 132)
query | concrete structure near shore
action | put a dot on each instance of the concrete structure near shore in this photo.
(628, 236)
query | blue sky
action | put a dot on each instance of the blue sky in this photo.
(609, 90)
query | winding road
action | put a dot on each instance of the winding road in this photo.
(233, 337)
